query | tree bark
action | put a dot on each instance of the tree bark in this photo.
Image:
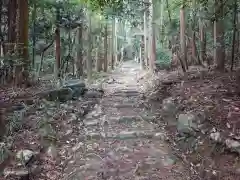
(12, 15)
(145, 38)
(98, 60)
(202, 34)
(23, 12)
(89, 55)
(34, 30)
(152, 37)
(182, 38)
(219, 51)
(113, 44)
(234, 33)
(105, 63)
(80, 51)
(58, 44)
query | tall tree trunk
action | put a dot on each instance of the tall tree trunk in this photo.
(162, 24)
(145, 38)
(219, 51)
(1, 35)
(113, 43)
(202, 34)
(142, 53)
(12, 15)
(58, 44)
(23, 7)
(194, 55)
(105, 63)
(170, 21)
(183, 38)
(80, 50)
(116, 42)
(98, 60)
(152, 37)
(33, 33)
(89, 51)
(234, 33)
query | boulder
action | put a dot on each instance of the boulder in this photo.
(61, 94)
(24, 156)
(78, 87)
(168, 106)
(233, 145)
(19, 173)
(93, 94)
(65, 94)
(187, 124)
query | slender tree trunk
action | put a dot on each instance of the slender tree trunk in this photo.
(80, 50)
(170, 20)
(89, 55)
(162, 25)
(194, 57)
(12, 15)
(24, 31)
(1, 35)
(202, 39)
(98, 60)
(234, 33)
(183, 38)
(116, 42)
(219, 51)
(113, 43)
(145, 39)
(152, 37)
(105, 63)
(33, 33)
(58, 45)
(142, 54)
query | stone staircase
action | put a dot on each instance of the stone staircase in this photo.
(119, 142)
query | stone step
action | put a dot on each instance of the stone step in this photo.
(124, 135)
(91, 123)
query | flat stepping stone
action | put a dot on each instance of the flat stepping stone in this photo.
(124, 105)
(169, 160)
(129, 119)
(90, 123)
(93, 136)
(147, 116)
(124, 135)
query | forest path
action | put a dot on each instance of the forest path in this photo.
(118, 141)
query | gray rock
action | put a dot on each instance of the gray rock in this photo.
(62, 94)
(93, 136)
(93, 94)
(168, 106)
(146, 116)
(90, 123)
(160, 136)
(128, 119)
(24, 156)
(50, 95)
(78, 87)
(16, 173)
(216, 136)
(233, 145)
(52, 151)
(187, 124)
(126, 135)
(65, 94)
(169, 111)
(168, 160)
